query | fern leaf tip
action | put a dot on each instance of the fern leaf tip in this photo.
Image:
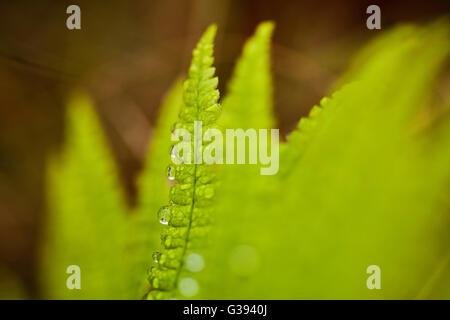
(210, 33)
(266, 28)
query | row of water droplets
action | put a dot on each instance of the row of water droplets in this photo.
(186, 217)
(193, 262)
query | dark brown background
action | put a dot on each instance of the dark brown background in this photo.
(127, 54)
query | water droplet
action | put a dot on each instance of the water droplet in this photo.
(162, 215)
(156, 256)
(188, 287)
(171, 173)
(194, 262)
(173, 154)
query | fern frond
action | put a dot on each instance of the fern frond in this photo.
(362, 177)
(359, 192)
(248, 104)
(153, 191)
(188, 215)
(249, 101)
(364, 60)
(298, 140)
(437, 151)
(86, 212)
(152, 183)
(387, 52)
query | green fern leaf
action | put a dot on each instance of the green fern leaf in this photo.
(188, 215)
(364, 183)
(381, 54)
(437, 149)
(358, 193)
(248, 103)
(153, 184)
(86, 213)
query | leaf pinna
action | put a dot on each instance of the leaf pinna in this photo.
(86, 212)
(248, 103)
(187, 216)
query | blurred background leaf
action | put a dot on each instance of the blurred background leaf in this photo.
(363, 192)
(249, 99)
(11, 286)
(85, 225)
(153, 189)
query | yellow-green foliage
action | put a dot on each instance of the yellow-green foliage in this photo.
(153, 191)
(357, 189)
(362, 182)
(187, 217)
(85, 225)
(244, 192)
(248, 103)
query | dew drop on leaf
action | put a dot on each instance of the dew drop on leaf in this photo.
(162, 215)
(156, 256)
(171, 173)
(172, 153)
